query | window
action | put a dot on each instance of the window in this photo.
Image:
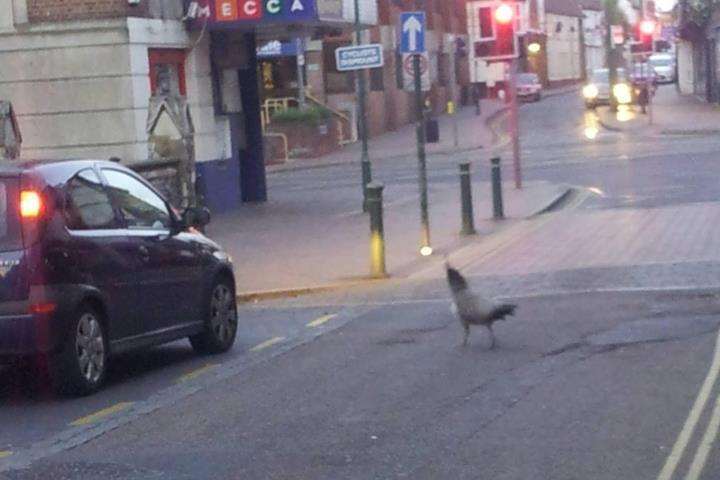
(87, 205)
(486, 22)
(167, 70)
(10, 223)
(140, 206)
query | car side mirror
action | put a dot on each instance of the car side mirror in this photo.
(197, 217)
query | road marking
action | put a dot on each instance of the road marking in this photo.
(100, 414)
(687, 431)
(196, 373)
(703, 450)
(5, 453)
(319, 321)
(267, 343)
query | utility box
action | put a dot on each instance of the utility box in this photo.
(10, 138)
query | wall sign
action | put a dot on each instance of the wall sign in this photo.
(228, 13)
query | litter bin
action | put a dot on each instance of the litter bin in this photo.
(432, 131)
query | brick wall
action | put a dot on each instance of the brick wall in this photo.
(65, 10)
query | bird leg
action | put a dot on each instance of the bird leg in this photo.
(466, 326)
(492, 337)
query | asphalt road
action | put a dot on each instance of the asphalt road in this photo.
(596, 377)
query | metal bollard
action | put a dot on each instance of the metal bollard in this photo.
(468, 222)
(377, 231)
(497, 189)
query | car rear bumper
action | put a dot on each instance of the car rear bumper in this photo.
(22, 335)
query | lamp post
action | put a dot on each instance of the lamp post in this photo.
(362, 120)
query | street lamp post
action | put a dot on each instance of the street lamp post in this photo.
(362, 119)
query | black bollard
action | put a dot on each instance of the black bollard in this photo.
(468, 223)
(497, 189)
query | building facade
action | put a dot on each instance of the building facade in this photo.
(593, 38)
(80, 75)
(564, 30)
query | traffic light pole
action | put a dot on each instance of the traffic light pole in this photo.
(425, 247)
(514, 122)
(362, 117)
(610, 54)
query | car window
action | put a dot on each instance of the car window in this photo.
(140, 206)
(527, 79)
(88, 205)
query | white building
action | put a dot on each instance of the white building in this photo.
(593, 18)
(565, 51)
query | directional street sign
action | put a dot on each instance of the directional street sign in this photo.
(412, 32)
(359, 57)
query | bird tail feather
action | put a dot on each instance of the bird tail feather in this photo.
(502, 311)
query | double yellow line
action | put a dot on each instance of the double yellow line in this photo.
(686, 434)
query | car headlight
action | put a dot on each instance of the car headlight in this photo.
(622, 93)
(590, 91)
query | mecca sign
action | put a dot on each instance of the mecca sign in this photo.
(231, 12)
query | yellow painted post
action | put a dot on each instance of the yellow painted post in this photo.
(377, 230)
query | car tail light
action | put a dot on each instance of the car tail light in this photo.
(30, 204)
(43, 308)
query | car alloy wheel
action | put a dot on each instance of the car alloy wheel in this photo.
(223, 316)
(90, 348)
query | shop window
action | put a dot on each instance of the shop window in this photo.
(167, 70)
(377, 80)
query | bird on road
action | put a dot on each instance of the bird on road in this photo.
(472, 308)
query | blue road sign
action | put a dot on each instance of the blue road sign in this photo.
(359, 57)
(412, 32)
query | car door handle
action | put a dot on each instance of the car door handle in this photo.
(144, 253)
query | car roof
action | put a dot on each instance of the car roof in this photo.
(54, 171)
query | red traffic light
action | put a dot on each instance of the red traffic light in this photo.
(647, 27)
(504, 13)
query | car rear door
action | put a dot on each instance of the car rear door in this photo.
(170, 289)
(99, 253)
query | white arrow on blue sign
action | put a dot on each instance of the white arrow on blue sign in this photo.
(412, 32)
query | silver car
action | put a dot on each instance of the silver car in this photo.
(664, 65)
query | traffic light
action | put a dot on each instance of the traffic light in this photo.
(645, 34)
(505, 41)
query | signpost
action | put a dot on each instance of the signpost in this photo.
(409, 73)
(359, 57)
(412, 42)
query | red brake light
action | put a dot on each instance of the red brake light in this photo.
(30, 204)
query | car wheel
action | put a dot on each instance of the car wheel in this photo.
(538, 97)
(81, 365)
(220, 327)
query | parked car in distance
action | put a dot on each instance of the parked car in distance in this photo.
(529, 87)
(597, 90)
(664, 65)
(94, 262)
(643, 74)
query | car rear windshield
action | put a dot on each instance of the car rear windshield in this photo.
(603, 76)
(10, 227)
(527, 79)
(661, 62)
